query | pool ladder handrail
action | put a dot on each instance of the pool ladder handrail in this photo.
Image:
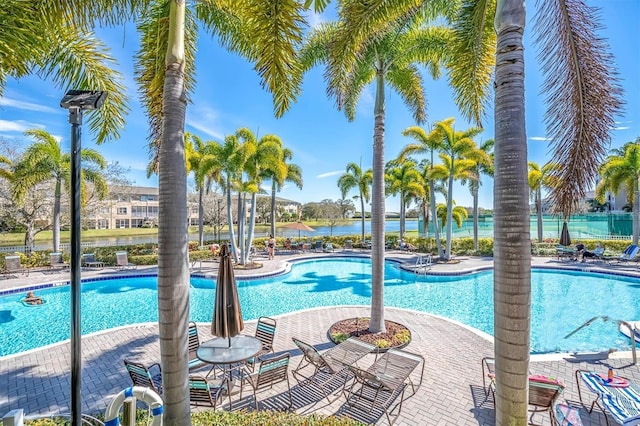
(632, 336)
(423, 263)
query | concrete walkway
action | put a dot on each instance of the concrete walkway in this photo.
(451, 393)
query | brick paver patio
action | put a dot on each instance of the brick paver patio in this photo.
(452, 394)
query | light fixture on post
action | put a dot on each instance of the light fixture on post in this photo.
(77, 101)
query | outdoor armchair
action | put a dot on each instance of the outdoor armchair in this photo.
(141, 375)
(194, 344)
(202, 392)
(271, 371)
(265, 332)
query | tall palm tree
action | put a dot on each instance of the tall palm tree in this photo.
(355, 177)
(483, 159)
(44, 160)
(457, 145)
(294, 175)
(268, 161)
(205, 165)
(623, 171)
(388, 60)
(403, 178)
(426, 143)
(540, 178)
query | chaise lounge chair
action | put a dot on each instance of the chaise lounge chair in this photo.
(619, 398)
(142, 375)
(630, 253)
(89, 261)
(122, 261)
(56, 262)
(12, 264)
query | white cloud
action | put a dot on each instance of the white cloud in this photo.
(539, 138)
(14, 103)
(17, 126)
(622, 128)
(204, 119)
(329, 174)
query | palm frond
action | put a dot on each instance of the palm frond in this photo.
(582, 94)
(473, 58)
(408, 83)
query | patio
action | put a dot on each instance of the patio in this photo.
(451, 394)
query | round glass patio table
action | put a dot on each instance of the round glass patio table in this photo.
(218, 351)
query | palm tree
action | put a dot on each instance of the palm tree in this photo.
(456, 145)
(483, 165)
(540, 178)
(389, 59)
(354, 177)
(623, 171)
(51, 39)
(458, 215)
(426, 143)
(205, 165)
(44, 160)
(294, 175)
(403, 178)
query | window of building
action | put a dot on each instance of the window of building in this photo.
(122, 223)
(122, 210)
(103, 224)
(137, 223)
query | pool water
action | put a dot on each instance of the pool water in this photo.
(561, 302)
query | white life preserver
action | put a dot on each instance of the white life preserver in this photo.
(152, 399)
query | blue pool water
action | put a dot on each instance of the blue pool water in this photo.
(561, 302)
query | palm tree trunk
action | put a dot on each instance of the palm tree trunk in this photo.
(273, 207)
(432, 202)
(636, 211)
(232, 237)
(56, 216)
(475, 218)
(539, 212)
(376, 324)
(362, 217)
(402, 215)
(449, 225)
(201, 216)
(252, 221)
(173, 268)
(512, 249)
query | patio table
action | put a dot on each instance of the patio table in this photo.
(218, 352)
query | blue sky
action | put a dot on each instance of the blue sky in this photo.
(229, 96)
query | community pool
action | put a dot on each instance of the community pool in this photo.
(561, 302)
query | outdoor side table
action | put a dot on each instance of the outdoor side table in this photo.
(218, 352)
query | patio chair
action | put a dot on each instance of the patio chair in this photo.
(265, 332)
(543, 390)
(142, 375)
(629, 254)
(56, 261)
(122, 261)
(12, 264)
(89, 261)
(317, 246)
(567, 415)
(348, 245)
(194, 344)
(271, 371)
(325, 371)
(328, 247)
(202, 392)
(619, 398)
(383, 382)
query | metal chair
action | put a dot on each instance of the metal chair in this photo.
(202, 392)
(194, 344)
(271, 371)
(141, 375)
(265, 332)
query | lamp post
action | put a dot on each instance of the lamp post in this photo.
(77, 101)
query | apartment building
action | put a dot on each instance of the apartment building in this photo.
(130, 207)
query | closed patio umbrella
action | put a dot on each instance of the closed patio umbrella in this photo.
(565, 239)
(299, 226)
(227, 315)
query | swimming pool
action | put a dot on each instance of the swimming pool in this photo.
(561, 302)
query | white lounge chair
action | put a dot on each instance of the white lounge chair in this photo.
(122, 261)
(630, 253)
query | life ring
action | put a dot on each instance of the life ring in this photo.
(152, 399)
